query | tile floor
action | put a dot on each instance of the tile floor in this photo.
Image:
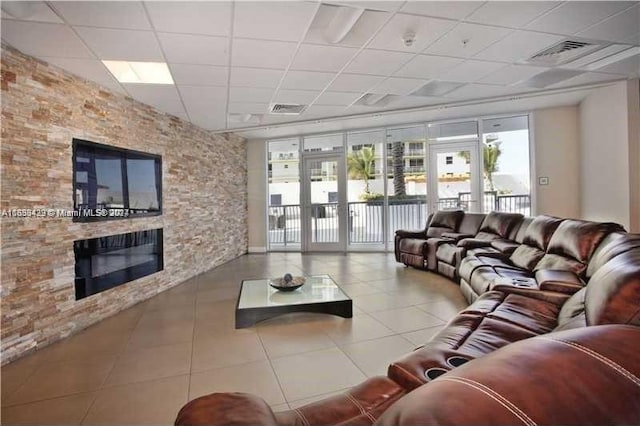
(141, 365)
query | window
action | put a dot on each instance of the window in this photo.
(276, 199)
(332, 196)
(449, 159)
(115, 183)
(286, 166)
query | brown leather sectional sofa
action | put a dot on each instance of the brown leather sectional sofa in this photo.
(552, 334)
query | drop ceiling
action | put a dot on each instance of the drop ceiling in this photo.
(231, 61)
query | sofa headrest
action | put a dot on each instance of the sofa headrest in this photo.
(471, 223)
(447, 219)
(540, 231)
(541, 380)
(518, 232)
(614, 244)
(500, 223)
(613, 293)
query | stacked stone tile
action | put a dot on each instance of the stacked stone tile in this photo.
(204, 198)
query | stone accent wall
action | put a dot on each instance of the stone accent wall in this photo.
(204, 198)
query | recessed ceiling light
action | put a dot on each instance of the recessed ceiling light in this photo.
(140, 72)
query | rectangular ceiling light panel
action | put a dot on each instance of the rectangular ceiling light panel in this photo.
(140, 72)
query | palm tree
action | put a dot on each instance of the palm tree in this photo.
(397, 152)
(361, 165)
(490, 154)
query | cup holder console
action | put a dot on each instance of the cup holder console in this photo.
(435, 372)
(456, 361)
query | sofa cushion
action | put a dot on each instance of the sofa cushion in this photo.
(560, 281)
(533, 314)
(447, 219)
(447, 253)
(526, 257)
(572, 313)
(540, 231)
(437, 231)
(470, 223)
(500, 224)
(562, 263)
(613, 245)
(613, 293)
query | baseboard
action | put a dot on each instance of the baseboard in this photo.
(257, 249)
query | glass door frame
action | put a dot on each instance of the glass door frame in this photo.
(307, 245)
(473, 146)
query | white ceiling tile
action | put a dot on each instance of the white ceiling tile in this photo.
(255, 77)
(388, 6)
(573, 16)
(323, 111)
(191, 17)
(617, 28)
(250, 94)
(633, 39)
(477, 91)
(248, 108)
(322, 29)
(398, 86)
(587, 78)
(337, 98)
(123, 45)
(209, 96)
(199, 75)
(512, 74)
(108, 14)
(416, 101)
(91, 69)
(195, 49)
(272, 20)
(354, 83)
(306, 80)
(426, 66)
(261, 53)
(518, 46)
(466, 40)
(295, 96)
(629, 67)
(378, 62)
(442, 9)
(426, 31)
(322, 58)
(34, 11)
(39, 39)
(209, 120)
(471, 70)
(512, 14)
(163, 97)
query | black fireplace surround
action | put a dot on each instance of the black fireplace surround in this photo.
(106, 262)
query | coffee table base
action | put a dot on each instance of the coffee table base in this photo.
(250, 316)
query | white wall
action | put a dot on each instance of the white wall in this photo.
(604, 155)
(633, 100)
(557, 156)
(256, 195)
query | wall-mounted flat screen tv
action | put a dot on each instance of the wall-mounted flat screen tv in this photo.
(114, 183)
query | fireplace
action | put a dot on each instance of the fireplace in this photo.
(106, 262)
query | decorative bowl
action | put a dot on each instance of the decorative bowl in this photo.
(282, 285)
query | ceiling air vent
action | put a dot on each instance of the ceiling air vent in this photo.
(563, 52)
(286, 109)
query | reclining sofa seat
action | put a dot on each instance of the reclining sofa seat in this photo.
(411, 246)
(499, 318)
(553, 257)
(495, 226)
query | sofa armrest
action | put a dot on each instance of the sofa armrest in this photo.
(455, 236)
(404, 233)
(470, 243)
(236, 409)
(557, 280)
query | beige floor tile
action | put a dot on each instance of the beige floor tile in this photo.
(218, 294)
(157, 335)
(379, 302)
(406, 319)
(444, 309)
(64, 378)
(139, 365)
(314, 373)
(13, 375)
(374, 356)
(68, 410)
(420, 337)
(87, 343)
(169, 299)
(226, 350)
(168, 316)
(360, 327)
(256, 378)
(280, 407)
(155, 402)
(359, 289)
(283, 340)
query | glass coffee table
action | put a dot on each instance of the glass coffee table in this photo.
(258, 301)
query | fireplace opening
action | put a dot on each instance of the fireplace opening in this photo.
(106, 262)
